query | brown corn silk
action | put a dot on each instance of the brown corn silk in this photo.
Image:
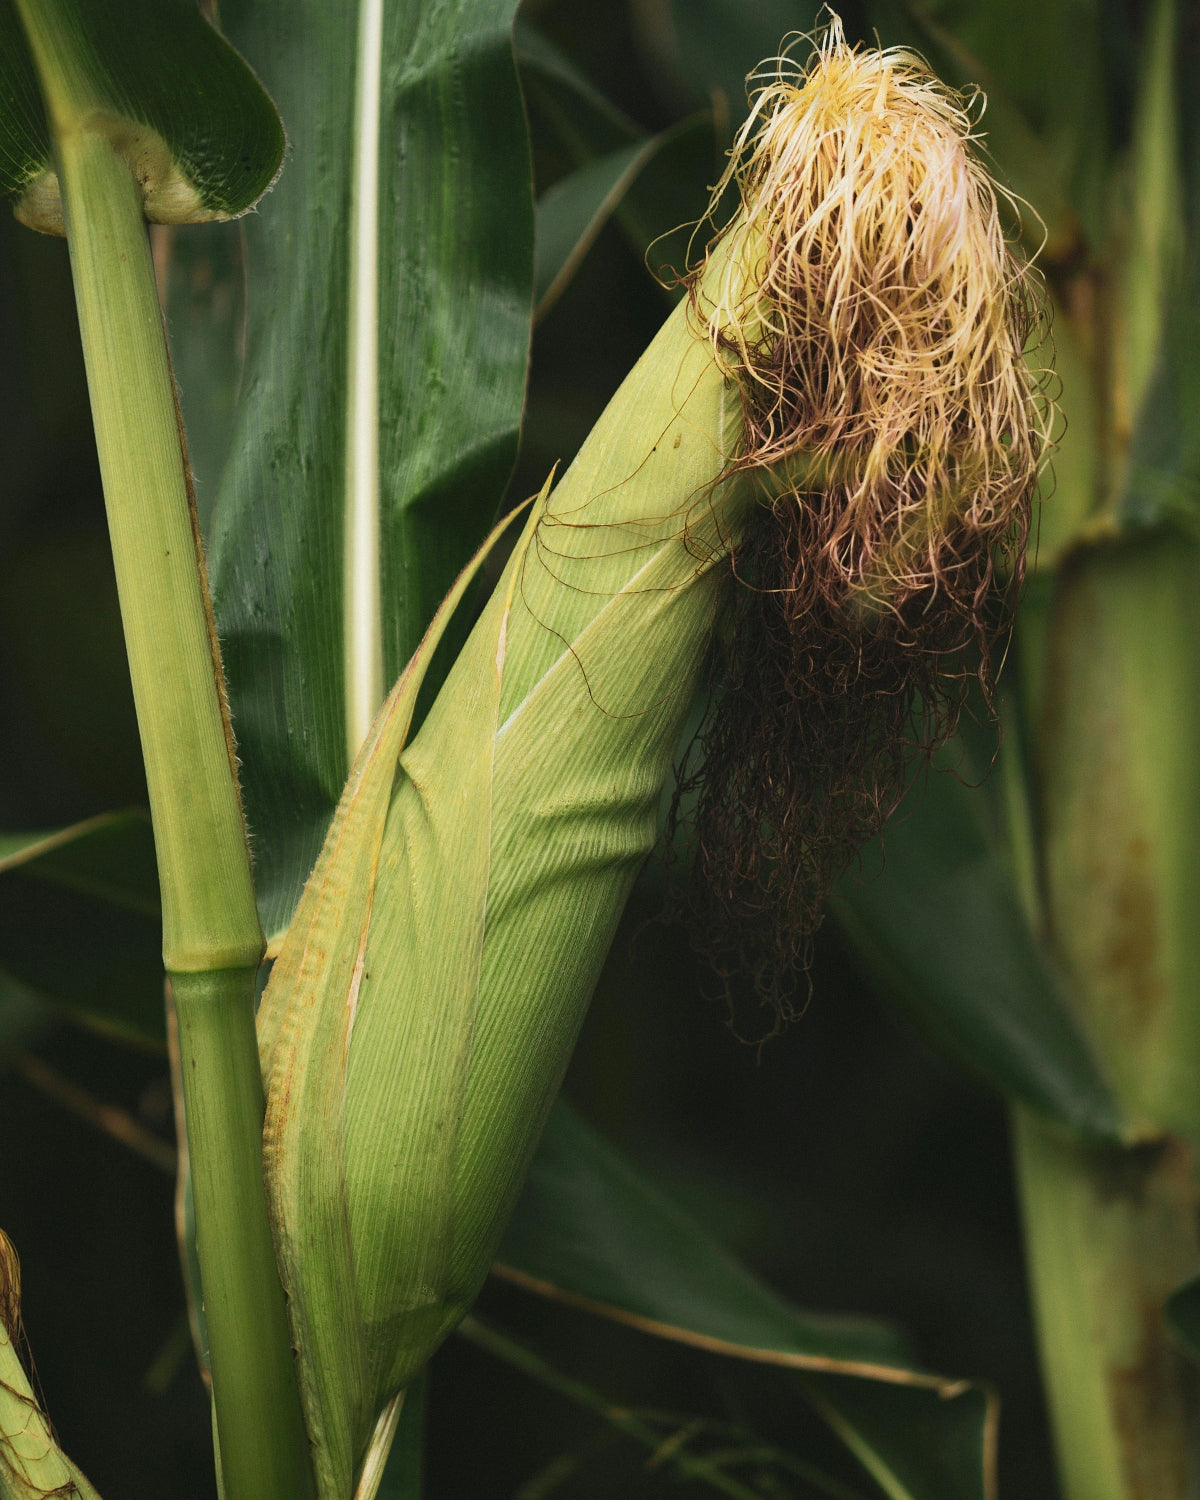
(878, 326)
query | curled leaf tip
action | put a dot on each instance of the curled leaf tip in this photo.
(879, 327)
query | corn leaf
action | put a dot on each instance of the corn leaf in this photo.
(96, 882)
(592, 1231)
(914, 1447)
(571, 214)
(424, 246)
(22, 1011)
(664, 180)
(714, 44)
(938, 921)
(167, 89)
(1163, 289)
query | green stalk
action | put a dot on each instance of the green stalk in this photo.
(1109, 1235)
(212, 941)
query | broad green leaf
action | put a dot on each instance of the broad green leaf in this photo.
(591, 1228)
(387, 330)
(938, 921)
(592, 1231)
(79, 922)
(153, 75)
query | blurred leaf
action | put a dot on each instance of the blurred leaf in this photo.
(584, 120)
(590, 1227)
(572, 213)
(453, 289)
(676, 1441)
(942, 929)
(1182, 1311)
(1163, 479)
(663, 198)
(591, 1231)
(402, 1476)
(915, 1449)
(155, 68)
(22, 1011)
(716, 44)
(1155, 233)
(79, 922)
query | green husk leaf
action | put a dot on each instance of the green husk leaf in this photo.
(166, 89)
(561, 743)
(305, 1038)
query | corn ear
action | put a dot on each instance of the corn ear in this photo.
(420, 1015)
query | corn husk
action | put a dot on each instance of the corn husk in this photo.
(425, 1001)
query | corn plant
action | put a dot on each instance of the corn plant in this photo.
(825, 461)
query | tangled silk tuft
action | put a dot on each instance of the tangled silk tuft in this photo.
(882, 334)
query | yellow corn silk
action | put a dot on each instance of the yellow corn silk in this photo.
(424, 1003)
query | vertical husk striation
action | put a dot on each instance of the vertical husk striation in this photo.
(877, 323)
